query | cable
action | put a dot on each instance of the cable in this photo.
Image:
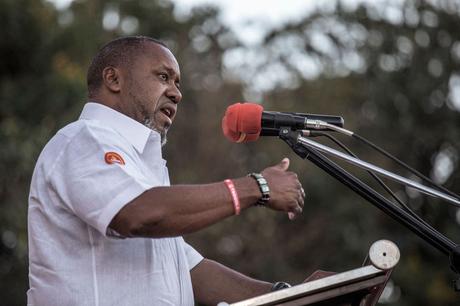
(404, 165)
(318, 124)
(345, 148)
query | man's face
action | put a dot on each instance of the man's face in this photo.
(151, 93)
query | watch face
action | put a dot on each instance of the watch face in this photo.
(280, 285)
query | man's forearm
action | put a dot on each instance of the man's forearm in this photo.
(181, 209)
(214, 283)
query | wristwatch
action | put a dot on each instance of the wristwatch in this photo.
(280, 285)
(263, 186)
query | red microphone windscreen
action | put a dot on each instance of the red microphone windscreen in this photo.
(242, 122)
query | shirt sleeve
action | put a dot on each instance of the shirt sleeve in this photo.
(192, 255)
(93, 188)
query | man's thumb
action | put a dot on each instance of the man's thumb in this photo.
(284, 164)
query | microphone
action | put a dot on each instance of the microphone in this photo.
(245, 122)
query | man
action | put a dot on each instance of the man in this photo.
(105, 226)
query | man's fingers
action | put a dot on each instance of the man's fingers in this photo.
(295, 212)
(298, 210)
(302, 196)
(301, 201)
(284, 164)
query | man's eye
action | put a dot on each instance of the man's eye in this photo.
(164, 76)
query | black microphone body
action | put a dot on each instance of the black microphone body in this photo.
(272, 121)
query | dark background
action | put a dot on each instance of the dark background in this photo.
(392, 71)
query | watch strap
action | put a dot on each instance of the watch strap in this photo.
(263, 187)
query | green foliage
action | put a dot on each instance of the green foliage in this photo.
(390, 79)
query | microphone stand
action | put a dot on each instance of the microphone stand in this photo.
(302, 147)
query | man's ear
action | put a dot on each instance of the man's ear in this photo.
(111, 78)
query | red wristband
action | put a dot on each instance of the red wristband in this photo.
(234, 194)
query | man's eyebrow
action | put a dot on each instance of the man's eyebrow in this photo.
(168, 69)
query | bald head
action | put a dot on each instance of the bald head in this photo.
(118, 53)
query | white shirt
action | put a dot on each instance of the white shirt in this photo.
(76, 190)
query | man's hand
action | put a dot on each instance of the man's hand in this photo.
(286, 192)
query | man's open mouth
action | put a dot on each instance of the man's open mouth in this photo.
(169, 111)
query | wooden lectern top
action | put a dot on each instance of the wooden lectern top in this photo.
(362, 286)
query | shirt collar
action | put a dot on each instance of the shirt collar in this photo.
(133, 131)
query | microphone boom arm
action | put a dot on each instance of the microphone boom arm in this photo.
(307, 149)
(368, 166)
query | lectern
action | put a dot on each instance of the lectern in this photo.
(361, 287)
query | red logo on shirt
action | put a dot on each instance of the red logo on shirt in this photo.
(113, 158)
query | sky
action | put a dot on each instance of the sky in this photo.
(250, 20)
(257, 17)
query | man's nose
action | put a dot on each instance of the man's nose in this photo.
(174, 93)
